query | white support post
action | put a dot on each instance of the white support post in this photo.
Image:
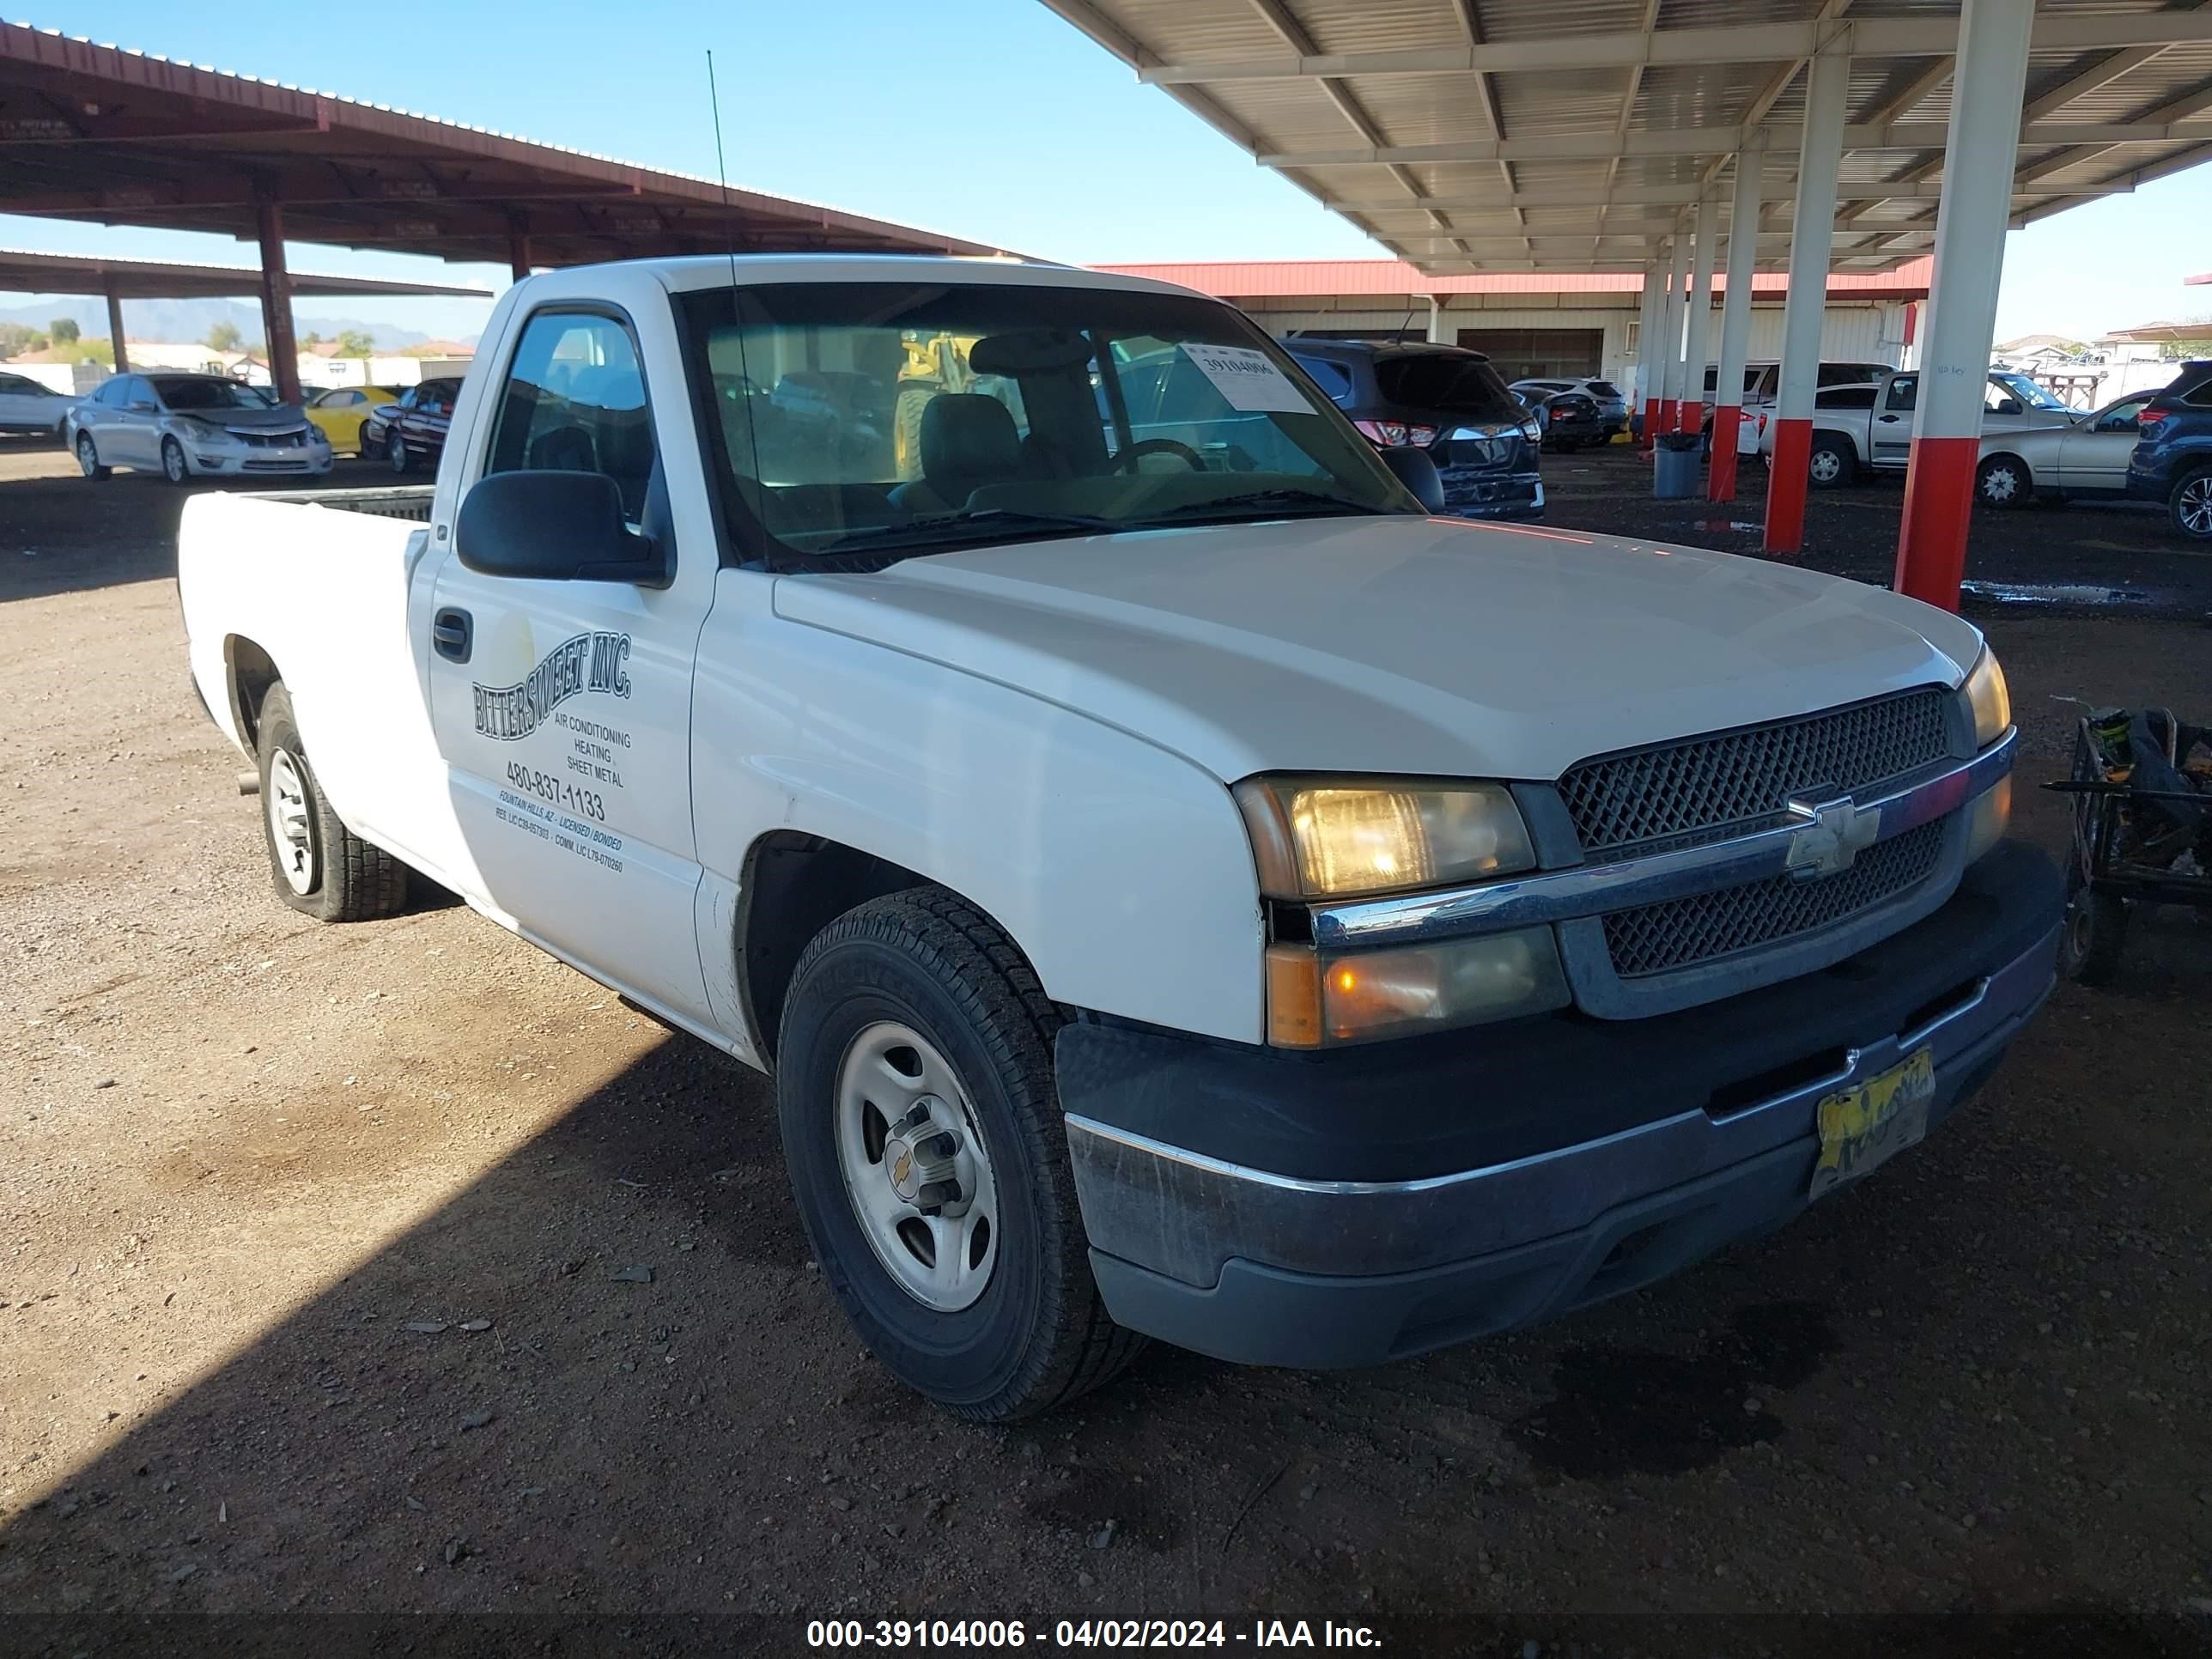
(1735, 324)
(1986, 89)
(1438, 335)
(1827, 89)
(1670, 333)
(1648, 372)
(1700, 315)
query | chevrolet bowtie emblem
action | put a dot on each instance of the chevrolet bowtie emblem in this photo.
(1834, 831)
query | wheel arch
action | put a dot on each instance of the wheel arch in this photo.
(248, 672)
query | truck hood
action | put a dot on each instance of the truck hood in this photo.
(1400, 645)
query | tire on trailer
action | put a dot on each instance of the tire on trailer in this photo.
(914, 1068)
(320, 867)
(1832, 463)
(2004, 482)
(2096, 931)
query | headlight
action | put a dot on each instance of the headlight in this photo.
(1315, 999)
(1991, 699)
(1339, 837)
(1531, 431)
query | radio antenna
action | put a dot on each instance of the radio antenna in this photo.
(722, 172)
(737, 322)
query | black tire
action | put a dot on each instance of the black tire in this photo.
(1038, 1336)
(2004, 482)
(2190, 508)
(173, 466)
(88, 459)
(349, 879)
(396, 456)
(1831, 464)
(2096, 932)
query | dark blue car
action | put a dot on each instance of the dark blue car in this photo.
(2172, 460)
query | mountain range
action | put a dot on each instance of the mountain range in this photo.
(191, 320)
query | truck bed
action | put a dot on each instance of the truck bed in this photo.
(407, 502)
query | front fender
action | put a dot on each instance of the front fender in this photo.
(1122, 870)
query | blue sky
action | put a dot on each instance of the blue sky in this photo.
(991, 119)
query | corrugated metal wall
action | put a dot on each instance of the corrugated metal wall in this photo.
(1856, 333)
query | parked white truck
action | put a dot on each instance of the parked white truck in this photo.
(1868, 427)
(1178, 886)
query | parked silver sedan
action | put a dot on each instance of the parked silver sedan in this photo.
(193, 426)
(2086, 459)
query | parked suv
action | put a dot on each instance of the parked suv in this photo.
(1612, 402)
(1446, 400)
(2173, 459)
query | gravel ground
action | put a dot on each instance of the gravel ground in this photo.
(318, 1311)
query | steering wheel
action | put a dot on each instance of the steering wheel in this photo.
(1136, 451)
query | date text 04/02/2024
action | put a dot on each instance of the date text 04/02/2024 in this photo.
(1000, 1634)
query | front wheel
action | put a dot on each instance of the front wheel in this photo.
(2003, 482)
(172, 462)
(396, 455)
(922, 1132)
(2190, 508)
(322, 869)
(87, 458)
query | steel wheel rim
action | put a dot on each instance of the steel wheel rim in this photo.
(2196, 506)
(173, 461)
(906, 1130)
(291, 831)
(88, 459)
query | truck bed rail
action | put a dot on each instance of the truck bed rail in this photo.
(407, 502)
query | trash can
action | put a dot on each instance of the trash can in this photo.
(1674, 466)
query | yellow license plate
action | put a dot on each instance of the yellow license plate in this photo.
(1863, 1126)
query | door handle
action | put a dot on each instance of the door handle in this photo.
(452, 632)
(1890, 420)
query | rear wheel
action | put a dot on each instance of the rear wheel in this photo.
(87, 458)
(2003, 481)
(1831, 464)
(2190, 508)
(172, 462)
(322, 869)
(922, 1132)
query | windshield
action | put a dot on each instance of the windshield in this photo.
(891, 419)
(2029, 393)
(197, 393)
(1448, 382)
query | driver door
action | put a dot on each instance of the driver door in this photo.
(1891, 426)
(562, 708)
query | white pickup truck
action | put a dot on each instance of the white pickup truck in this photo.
(1178, 886)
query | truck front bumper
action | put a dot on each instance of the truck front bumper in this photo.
(1352, 1208)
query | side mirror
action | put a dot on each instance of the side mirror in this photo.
(1414, 470)
(141, 405)
(555, 526)
(2007, 405)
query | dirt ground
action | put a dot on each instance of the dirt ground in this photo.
(315, 1329)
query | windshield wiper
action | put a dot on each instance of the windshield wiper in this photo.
(1278, 497)
(986, 517)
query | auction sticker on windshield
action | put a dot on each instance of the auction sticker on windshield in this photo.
(1248, 379)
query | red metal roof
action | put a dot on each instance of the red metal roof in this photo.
(2197, 281)
(1302, 278)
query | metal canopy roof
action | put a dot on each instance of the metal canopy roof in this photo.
(1570, 135)
(93, 132)
(165, 279)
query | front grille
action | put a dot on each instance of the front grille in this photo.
(1731, 781)
(253, 440)
(1660, 939)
